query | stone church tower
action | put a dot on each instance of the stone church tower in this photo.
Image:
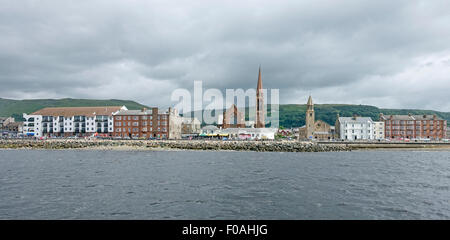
(259, 103)
(309, 121)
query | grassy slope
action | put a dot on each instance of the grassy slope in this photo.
(15, 108)
(293, 115)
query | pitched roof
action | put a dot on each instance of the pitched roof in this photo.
(135, 112)
(410, 117)
(78, 111)
(355, 119)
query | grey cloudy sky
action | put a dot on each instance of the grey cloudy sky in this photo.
(385, 53)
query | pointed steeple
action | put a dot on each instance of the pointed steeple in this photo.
(309, 101)
(259, 103)
(259, 79)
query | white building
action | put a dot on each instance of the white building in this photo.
(355, 128)
(378, 130)
(70, 121)
(250, 133)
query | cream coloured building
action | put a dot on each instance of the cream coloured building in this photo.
(378, 130)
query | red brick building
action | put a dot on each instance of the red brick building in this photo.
(414, 127)
(146, 123)
(233, 118)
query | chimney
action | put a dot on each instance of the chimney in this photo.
(354, 116)
(434, 116)
(424, 116)
(144, 109)
(409, 114)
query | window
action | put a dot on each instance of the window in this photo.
(118, 118)
(118, 124)
(135, 117)
(144, 117)
(135, 124)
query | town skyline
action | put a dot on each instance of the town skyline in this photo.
(384, 54)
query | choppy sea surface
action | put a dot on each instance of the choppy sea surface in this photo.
(99, 184)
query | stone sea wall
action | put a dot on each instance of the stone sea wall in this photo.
(258, 146)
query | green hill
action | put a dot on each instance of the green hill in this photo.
(293, 115)
(290, 115)
(15, 108)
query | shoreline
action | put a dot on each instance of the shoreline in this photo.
(211, 145)
(164, 145)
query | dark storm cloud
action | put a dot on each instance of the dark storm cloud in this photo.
(384, 53)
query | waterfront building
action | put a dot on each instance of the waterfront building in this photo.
(147, 123)
(378, 130)
(312, 129)
(12, 129)
(249, 133)
(259, 103)
(5, 121)
(414, 126)
(70, 121)
(190, 126)
(209, 129)
(285, 132)
(354, 128)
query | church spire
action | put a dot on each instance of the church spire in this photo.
(309, 101)
(259, 79)
(259, 103)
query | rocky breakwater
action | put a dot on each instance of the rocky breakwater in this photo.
(258, 146)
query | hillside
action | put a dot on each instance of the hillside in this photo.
(15, 108)
(293, 115)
